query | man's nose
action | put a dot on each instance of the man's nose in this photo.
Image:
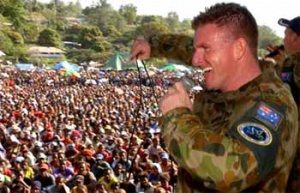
(197, 58)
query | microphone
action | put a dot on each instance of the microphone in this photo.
(190, 83)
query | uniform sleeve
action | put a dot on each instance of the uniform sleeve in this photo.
(296, 61)
(177, 47)
(220, 161)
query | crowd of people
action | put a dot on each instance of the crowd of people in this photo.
(121, 131)
(63, 134)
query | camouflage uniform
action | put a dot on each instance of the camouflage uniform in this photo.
(239, 141)
(290, 73)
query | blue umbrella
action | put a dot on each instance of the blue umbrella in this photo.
(63, 64)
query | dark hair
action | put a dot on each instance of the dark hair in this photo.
(235, 18)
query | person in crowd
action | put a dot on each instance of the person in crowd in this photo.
(100, 188)
(165, 183)
(154, 149)
(237, 117)
(89, 177)
(290, 74)
(3, 187)
(43, 176)
(168, 167)
(108, 179)
(19, 184)
(59, 186)
(119, 172)
(121, 159)
(155, 174)
(36, 187)
(144, 161)
(100, 166)
(28, 171)
(287, 56)
(80, 187)
(64, 171)
(144, 185)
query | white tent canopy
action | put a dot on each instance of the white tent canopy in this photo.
(2, 53)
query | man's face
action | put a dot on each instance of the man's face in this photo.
(289, 40)
(214, 49)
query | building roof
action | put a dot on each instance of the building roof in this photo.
(42, 49)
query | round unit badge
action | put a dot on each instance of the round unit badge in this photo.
(255, 133)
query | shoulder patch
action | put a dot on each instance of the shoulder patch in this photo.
(255, 133)
(268, 115)
(286, 76)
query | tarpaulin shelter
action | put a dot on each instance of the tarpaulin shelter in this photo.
(175, 67)
(120, 61)
(2, 53)
(67, 69)
(66, 65)
(69, 72)
(22, 66)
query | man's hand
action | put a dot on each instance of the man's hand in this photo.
(140, 49)
(277, 53)
(176, 97)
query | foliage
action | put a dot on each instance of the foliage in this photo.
(49, 37)
(173, 21)
(151, 28)
(16, 37)
(13, 10)
(91, 37)
(267, 37)
(99, 28)
(6, 42)
(129, 12)
(31, 32)
(103, 15)
(85, 55)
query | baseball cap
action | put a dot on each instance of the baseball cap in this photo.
(293, 24)
(79, 178)
(164, 156)
(44, 166)
(99, 156)
(36, 184)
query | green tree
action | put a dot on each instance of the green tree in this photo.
(15, 11)
(150, 18)
(31, 32)
(151, 28)
(111, 33)
(6, 42)
(173, 21)
(129, 12)
(49, 37)
(103, 15)
(267, 37)
(91, 38)
(16, 37)
(185, 27)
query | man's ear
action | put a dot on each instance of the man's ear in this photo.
(240, 47)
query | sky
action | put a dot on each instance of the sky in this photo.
(266, 12)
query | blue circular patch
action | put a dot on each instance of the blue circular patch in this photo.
(255, 133)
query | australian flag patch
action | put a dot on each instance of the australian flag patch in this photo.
(268, 115)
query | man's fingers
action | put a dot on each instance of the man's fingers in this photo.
(140, 50)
